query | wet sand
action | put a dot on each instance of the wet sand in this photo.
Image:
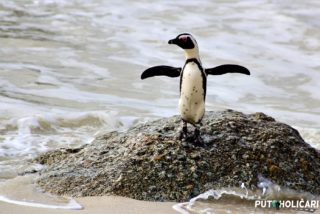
(97, 205)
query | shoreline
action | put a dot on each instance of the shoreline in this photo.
(97, 205)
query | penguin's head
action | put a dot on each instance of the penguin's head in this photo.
(184, 41)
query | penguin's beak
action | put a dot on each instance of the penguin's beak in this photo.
(172, 41)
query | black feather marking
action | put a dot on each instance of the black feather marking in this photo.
(161, 70)
(228, 68)
(204, 85)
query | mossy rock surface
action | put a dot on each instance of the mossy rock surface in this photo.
(149, 162)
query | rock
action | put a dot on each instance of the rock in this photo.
(148, 162)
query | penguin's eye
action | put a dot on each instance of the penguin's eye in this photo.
(183, 38)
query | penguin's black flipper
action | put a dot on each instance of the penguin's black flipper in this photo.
(228, 68)
(161, 70)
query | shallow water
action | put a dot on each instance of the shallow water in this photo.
(70, 70)
(242, 200)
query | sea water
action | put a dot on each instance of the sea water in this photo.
(70, 69)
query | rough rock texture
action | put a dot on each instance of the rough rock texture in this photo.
(148, 161)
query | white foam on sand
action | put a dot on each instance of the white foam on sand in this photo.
(22, 191)
(71, 205)
(192, 206)
(238, 200)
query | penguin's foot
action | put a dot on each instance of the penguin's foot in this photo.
(184, 131)
(197, 137)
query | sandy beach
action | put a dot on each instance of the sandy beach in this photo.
(97, 205)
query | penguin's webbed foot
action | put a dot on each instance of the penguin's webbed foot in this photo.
(184, 131)
(197, 139)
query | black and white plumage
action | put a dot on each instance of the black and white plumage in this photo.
(193, 81)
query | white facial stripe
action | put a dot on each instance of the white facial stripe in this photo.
(193, 40)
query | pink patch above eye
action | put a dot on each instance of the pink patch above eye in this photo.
(183, 38)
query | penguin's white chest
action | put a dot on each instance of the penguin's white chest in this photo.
(191, 103)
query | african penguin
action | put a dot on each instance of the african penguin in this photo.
(193, 82)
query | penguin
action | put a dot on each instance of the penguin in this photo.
(193, 82)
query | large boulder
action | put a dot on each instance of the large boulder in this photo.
(149, 162)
